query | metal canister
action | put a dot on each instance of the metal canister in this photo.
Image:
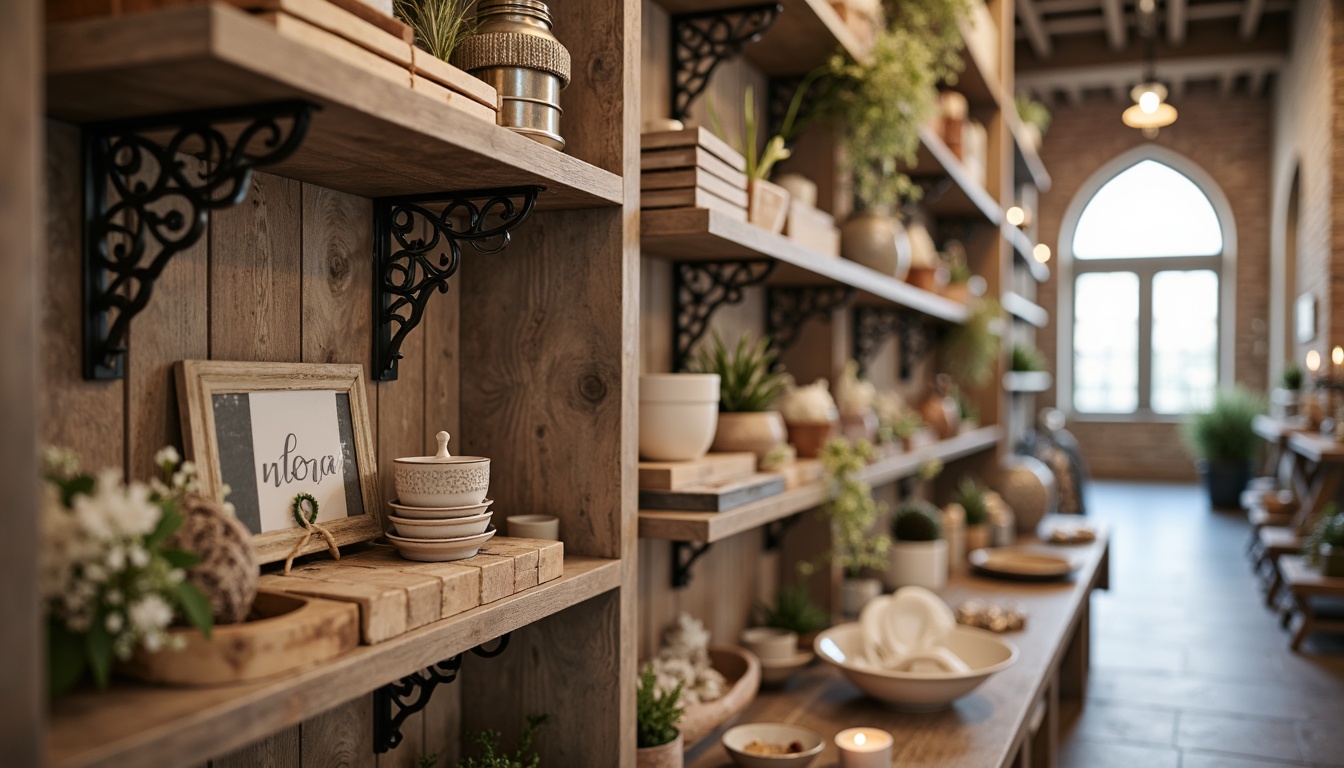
(514, 51)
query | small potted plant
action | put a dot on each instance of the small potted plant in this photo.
(853, 514)
(493, 756)
(1324, 548)
(793, 611)
(854, 397)
(918, 550)
(1283, 401)
(1224, 444)
(970, 495)
(768, 203)
(656, 716)
(959, 274)
(1026, 358)
(810, 416)
(748, 386)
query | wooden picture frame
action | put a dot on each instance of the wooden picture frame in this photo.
(273, 390)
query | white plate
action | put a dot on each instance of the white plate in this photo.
(736, 739)
(440, 550)
(438, 513)
(1022, 563)
(448, 528)
(779, 672)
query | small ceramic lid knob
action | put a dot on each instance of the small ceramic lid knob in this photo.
(442, 437)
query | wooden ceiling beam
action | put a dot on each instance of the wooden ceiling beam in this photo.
(1116, 23)
(1176, 21)
(1223, 69)
(1030, 20)
(1250, 18)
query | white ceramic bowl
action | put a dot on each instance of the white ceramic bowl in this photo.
(736, 739)
(440, 550)
(780, 672)
(770, 644)
(449, 528)
(429, 481)
(678, 413)
(438, 513)
(984, 651)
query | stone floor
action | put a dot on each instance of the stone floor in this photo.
(1190, 670)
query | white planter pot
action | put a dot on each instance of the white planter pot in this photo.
(668, 755)
(918, 564)
(677, 415)
(855, 593)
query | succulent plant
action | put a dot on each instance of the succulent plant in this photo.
(748, 382)
(916, 520)
(656, 714)
(970, 494)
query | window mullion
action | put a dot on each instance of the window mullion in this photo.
(1145, 339)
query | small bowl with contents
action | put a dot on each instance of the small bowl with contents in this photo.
(441, 480)
(767, 745)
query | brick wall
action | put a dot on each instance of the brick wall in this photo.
(1230, 139)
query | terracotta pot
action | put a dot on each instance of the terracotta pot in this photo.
(876, 240)
(860, 426)
(856, 593)
(768, 205)
(929, 279)
(669, 755)
(749, 433)
(809, 439)
(942, 415)
(960, 292)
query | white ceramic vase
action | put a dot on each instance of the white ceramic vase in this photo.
(918, 564)
(678, 413)
(878, 241)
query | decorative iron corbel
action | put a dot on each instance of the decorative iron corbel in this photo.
(788, 308)
(873, 325)
(701, 287)
(412, 693)
(142, 205)
(775, 530)
(417, 247)
(701, 40)
(684, 555)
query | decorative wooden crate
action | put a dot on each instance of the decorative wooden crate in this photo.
(692, 168)
(395, 595)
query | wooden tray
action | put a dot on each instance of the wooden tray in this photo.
(743, 672)
(715, 497)
(290, 631)
(710, 468)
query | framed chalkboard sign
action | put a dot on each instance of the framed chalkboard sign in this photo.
(273, 431)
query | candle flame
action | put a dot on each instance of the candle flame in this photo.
(860, 739)
(1337, 355)
(1313, 360)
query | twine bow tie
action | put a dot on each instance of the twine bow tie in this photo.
(305, 511)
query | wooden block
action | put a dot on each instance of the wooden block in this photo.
(455, 79)
(73, 10)
(340, 22)
(424, 594)
(691, 157)
(715, 497)
(462, 589)
(691, 198)
(690, 178)
(550, 557)
(378, 18)
(710, 468)
(525, 560)
(382, 610)
(813, 229)
(454, 99)
(801, 472)
(336, 46)
(498, 576)
(695, 137)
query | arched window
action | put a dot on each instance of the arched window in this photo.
(1147, 247)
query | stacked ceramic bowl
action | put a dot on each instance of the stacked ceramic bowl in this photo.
(441, 512)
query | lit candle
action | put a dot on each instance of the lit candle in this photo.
(1336, 357)
(864, 748)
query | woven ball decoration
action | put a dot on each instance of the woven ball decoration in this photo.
(513, 49)
(227, 573)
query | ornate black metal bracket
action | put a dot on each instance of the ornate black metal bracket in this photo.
(417, 246)
(787, 309)
(775, 530)
(874, 325)
(701, 40)
(143, 204)
(411, 694)
(701, 287)
(684, 555)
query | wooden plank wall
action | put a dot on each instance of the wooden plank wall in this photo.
(285, 276)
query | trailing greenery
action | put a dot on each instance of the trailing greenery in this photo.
(1027, 358)
(1292, 376)
(917, 520)
(656, 714)
(793, 610)
(970, 494)
(852, 510)
(491, 755)
(748, 381)
(1033, 112)
(972, 347)
(439, 25)
(1329, 530)
(938, 24)
(902, 428)
(1224, 432)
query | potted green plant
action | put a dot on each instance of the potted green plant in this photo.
(959, 273)
(970, 496)
(810, 416)
(971, 349)
(440, 26)
(749, 384)
(1035, 118)
(853, 513)
(1026, 358)
(1223, 442)
(854, 398)
(1283, 401)
(794, 611)
(1324, 548)
(493, 756)
(657, 714)
(918, 551)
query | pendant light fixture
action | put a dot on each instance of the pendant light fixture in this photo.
(1150, 110)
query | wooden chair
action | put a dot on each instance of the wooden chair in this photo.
(1273, 543)
(1305, 587)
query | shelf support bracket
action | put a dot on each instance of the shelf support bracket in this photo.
(684, 555)
(412, 693)
(787, 309)
(874, 325)
(702, 40)
(699, 288)
(775, 530)
(417, 247)
(145, 202)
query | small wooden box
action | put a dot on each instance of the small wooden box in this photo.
(813, 229)
(692, 168)
(710, 468)
(715, 497)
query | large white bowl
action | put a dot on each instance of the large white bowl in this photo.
(678, 413)
(983, 651)
(736, 739)
(449, 528)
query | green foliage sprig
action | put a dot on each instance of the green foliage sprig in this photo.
(938, 24)
(1027, 358)
(493, 757)
(973, 346)
(793, 610)
(748, 382)
(656, 714)
(917, 520)
(439, 25)
(852, 510)
(1033, 112)
(1292, 376)
(1224, 433)
(970, 494)
(1329, 530)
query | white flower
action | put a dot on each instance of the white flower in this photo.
(153, 642)
(113, 597)
(188, 468)
(224, 490)
(150, 614)
(229, 509)
(60, 462)
(114, 622)
(139, 557)
(167, 457)
(95, 573)
(116, 559)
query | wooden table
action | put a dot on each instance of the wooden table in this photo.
(1318, 467)
(1305, 584)
(1276, 432)
(1010, 720)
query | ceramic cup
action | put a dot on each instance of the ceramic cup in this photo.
(441, 480)
(534, 527)
(771, 644)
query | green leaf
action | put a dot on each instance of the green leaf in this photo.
(169, 522)
(75, 486)
(66, 661)
(196, 607)
(98, 647)
(180, 558)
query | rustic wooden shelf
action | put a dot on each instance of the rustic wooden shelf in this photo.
(709, 527)
(804, 36)
(704, 235)
(967, 196)
(1022, 249)
(1027, 381)
(370, 138)
(140, 725)
(1025, 309)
